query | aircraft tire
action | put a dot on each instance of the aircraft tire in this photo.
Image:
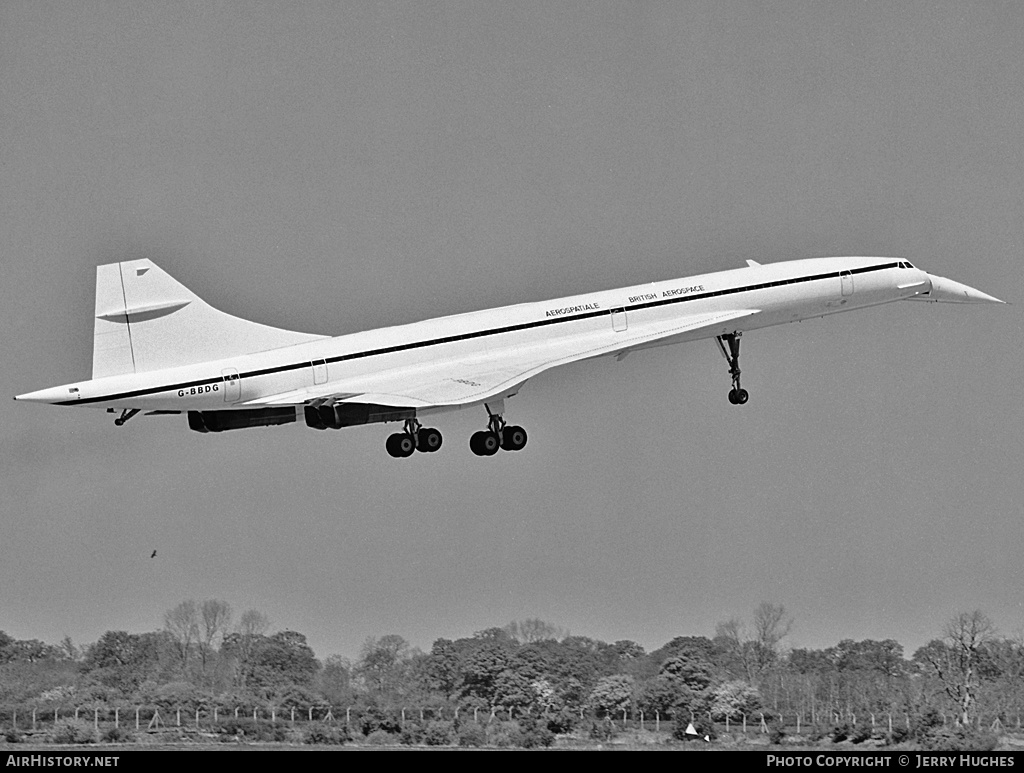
(476, 443)
(400, 445)
(392, 445)
(490, 443)
(513, 438)
(484, 443)
(429, 440)
(741, 396)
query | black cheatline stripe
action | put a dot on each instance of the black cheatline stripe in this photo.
(480, 334)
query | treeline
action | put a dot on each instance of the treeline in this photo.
(203, 659)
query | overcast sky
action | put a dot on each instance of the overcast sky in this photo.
(341, 166)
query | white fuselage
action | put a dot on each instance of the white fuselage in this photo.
(781, 292)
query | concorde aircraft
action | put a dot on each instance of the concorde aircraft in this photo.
(157, 347)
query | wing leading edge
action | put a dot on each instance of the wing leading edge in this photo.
(460, 382)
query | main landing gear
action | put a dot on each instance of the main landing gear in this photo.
(497, 435)
(487, 442)
(737, 395)
(415, 438)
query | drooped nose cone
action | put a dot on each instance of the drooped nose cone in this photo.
(947, 291)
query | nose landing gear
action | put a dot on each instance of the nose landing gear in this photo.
(126, 414)
(737, 395)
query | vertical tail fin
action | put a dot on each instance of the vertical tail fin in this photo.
(145, 320)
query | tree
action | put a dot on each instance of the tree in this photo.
(33, 650)
(382, 662)
(733, 700)
(661, 695)
(182, 623)
(441, 670)
(612, 693)
(125, 660)
(282, 660)
(214, 621)
(955, 659)
(534, 630)
(749, 655)
(6, 648)
(627, 650)
(483, 660)
(68, 649)
(241, 645)
(335, 680)
(253, 623)
(771, 626)
(694, 672)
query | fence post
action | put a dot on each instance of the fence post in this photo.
(197, 717)
(744, 725)
(657, 720)
(214, 716)
(14, 721)
(95, 718)
(33, 720)
(136, 717)
(727, 723)
(273, 714)
(798, 724)
(623, 719)
(293, 715)
(641, 719)
(310, 713)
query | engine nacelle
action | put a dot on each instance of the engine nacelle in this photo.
(352, 414)
(219, 421)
